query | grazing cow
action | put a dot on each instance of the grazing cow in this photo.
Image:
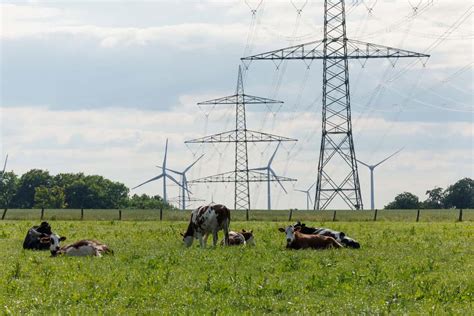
(34, 235)
(339, 236)
(297, 240)
(80, 248)
(205, 220)
(240, 238)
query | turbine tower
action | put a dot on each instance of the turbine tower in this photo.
(337, 167)
(240, 136)
(184, 183)
(163, 175)
(308, 195)
(4, 167)
(372, 167)
(270, 173)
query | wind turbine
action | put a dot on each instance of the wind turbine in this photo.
(372, 167)
(271, 173)
(163, 175)
(184, 181)
(308, 195)
(4, 167)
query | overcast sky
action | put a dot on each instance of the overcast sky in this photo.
(98, 86)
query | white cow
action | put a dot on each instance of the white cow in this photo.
(86, 247)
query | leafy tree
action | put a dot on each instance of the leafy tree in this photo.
(460, 194)
(8, 188)
(80, 195)
(147, 202)
(435, 199)
(25, 196)
(50, 197)
(405, 200)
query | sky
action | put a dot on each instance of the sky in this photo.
(98, 86)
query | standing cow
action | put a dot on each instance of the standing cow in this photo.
(207, 220)
(339, 236)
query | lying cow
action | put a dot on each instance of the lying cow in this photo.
(80, 248)
(240, 238)
(207, 220)
(34, 235)
(339, 236)
(297, 240)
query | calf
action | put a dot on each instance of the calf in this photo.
(339, 236)
(33, 239)
(240, 238)
(207, 220)
(82, 248)
(297, 240)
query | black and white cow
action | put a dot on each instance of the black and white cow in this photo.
(33, 239)
(82, 248)
(240, 238)
(205, 220)
(339, 236)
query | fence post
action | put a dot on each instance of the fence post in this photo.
(375, 215)
(460, 215)
(42, 213)
(4, 213)
(247, 214)
(291, 214)
(418, 215)
(82, 214)
(120, 215)
(161, 213)
(334, 216)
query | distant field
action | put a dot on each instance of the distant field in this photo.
(402, 268)
(255, 215)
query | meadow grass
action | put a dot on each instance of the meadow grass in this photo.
(414, 268)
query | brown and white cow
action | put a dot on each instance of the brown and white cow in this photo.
(240, 238)
(82, 248)
(205, 220)
(296, 240)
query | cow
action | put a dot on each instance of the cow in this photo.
(240, 238)
(34, 235)
(297, 240)
(205, 220)
(339, 236)
(82, 248)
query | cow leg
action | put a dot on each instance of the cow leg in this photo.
(226, 233)
(205, 240)
(334, 243)
(201, 241)
(214, 238)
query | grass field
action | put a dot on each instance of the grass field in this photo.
(402, 267)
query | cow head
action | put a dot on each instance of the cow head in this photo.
(290, 233)
(53, 240)
(248, 235)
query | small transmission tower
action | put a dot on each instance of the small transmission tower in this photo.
(337, 168)
(241, 136)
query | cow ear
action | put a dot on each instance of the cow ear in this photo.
(281, 229)
(251, 231)
(181, 234)
(62, 238)
(243, 231)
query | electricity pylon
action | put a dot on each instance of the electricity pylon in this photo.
(337, 167)
(270, 172)
(241, 136)
(308, 195)
(164, 174)
(371, 168)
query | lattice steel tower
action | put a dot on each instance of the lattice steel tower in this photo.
(241, 136)
(337, 167)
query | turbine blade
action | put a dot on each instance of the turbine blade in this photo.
(175, 181)
(367, 165)
(168, 169)
(261, 168)
(389, 157)
(274, 153)
(166, 153)
(5, 165)
(309, 189)
(152, 179)
(191, 165)
(278, 180)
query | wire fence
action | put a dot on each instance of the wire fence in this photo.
(422, 215)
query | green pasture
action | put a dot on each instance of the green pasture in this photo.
(402, 268)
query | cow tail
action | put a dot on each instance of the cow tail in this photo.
(226, 231)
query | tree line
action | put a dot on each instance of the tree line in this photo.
(37, 189)
(457, 195)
